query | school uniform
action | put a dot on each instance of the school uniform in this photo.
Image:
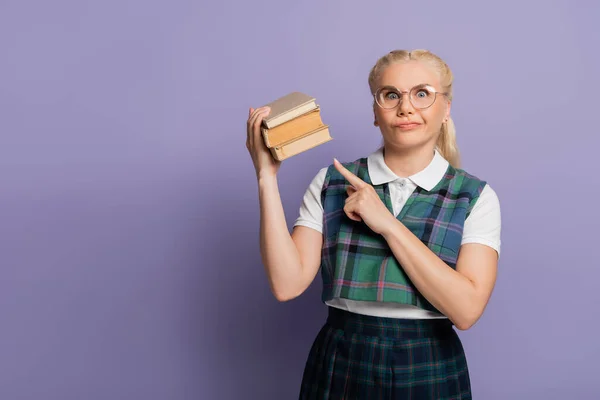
(382, 338)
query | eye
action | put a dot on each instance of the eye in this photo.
(423, 93)
(391, 95)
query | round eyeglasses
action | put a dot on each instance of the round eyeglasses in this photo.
(421, 96)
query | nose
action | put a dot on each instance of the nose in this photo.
(405, 107)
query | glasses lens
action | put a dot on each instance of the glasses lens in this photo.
(422, 96)
(388, 98)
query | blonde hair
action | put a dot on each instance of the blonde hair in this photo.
(446, 143)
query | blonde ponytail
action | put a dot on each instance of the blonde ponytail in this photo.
(446, 144)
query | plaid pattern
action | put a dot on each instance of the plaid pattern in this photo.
(363, 357)
(358, 264)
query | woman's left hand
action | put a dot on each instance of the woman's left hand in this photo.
(363, 203)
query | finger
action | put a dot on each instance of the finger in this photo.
(250, 122)
(254, 114)
(351, 194)
(258, 121)
(254, 121)
(257, 115)
(352, 204)
(250, 115)
(350, 177)
(349, 209)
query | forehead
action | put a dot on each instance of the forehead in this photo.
(405, 75)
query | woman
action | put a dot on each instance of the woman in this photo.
(406, 241)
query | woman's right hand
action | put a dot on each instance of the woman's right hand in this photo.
(264, 163)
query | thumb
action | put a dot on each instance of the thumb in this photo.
(251, 111)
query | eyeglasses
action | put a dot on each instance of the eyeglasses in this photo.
(421, 96)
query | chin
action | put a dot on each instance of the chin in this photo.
(404, 142)
(410, 137)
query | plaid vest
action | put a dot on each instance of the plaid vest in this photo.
(358, 264)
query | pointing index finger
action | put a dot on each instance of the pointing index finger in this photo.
(353, 179)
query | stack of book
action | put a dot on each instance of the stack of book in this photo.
(294, 125)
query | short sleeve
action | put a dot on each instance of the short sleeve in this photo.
(311, 209)
(483, 225)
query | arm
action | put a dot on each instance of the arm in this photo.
(460, 294)
(291, 261)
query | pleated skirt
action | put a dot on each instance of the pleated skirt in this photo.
(357, 357)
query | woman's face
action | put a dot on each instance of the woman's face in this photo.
(407, 126)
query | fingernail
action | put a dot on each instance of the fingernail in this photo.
(335, 159)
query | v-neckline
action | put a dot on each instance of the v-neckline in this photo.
(383, 190)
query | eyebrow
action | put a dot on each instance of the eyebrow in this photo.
(394, 87)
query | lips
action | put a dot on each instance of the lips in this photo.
(407, 125)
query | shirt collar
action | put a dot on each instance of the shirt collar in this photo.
(427, 178)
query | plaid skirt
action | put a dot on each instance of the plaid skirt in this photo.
(358, 356)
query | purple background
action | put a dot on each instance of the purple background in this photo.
(129, 256)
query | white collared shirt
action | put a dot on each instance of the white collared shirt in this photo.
(482, 226)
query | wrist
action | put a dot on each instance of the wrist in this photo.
(391, 229)
(266, 178)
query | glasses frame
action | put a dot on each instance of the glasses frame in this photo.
(402, 93)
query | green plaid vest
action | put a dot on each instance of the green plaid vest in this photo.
(358, 264)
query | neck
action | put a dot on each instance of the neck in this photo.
(407, 162)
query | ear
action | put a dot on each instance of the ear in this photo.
(448, 112)
(375, 117)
